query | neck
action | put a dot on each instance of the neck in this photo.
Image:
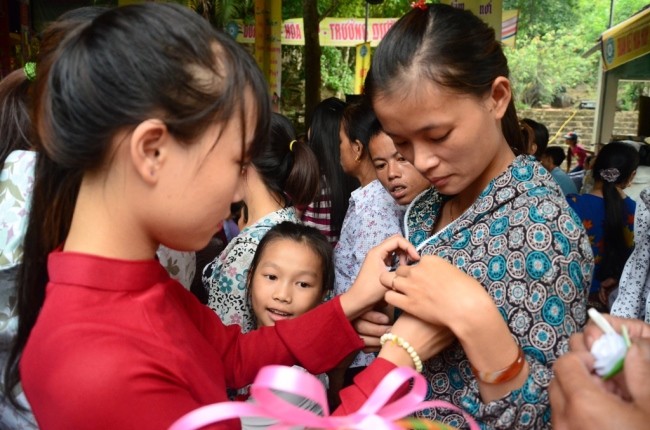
(102, 225)
(366, 173)
(259, 200)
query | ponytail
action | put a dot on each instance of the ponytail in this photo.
(613, 168)
(303, 183)
(288, 168)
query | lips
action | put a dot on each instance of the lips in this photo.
(398, 191)
(277, 315)
(440, 181)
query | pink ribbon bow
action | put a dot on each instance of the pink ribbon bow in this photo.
(375, 413)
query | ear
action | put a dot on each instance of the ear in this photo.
(149, 149)
(500, 96)
(357, 147)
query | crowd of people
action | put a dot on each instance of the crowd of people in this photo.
(422, 225)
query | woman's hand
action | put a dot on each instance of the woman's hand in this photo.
(371, 326)
(435, 291)
(582, 400)
(366, 289)
(427, 340)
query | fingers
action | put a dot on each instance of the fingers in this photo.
(397, 244)
(370, 328)
(637, 371)
(577, 342)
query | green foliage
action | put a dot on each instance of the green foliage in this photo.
(337, 68)
(542, 67)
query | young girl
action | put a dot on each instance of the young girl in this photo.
(159, 145)
(608, 217)
(505, 263)
(290, 274)
(282, 177)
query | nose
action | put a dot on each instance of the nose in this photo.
(282, 292)
(394, 170)
(424, 159)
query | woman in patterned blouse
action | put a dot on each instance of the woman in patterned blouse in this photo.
(505, 265)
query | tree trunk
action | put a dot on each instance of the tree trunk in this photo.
(312, 53)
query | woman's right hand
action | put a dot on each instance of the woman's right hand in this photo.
(427, 339)
(367, 289)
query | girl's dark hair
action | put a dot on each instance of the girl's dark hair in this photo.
(129, 64)
(324, 141)
(446, 45)
(614, 166)
(360, 122)
(540, 134)
(15, 124)
(300, 233)
(289, 170)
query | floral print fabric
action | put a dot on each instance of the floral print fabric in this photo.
(633, 298)
(373, 215)
(521, 241)
(16, 184)
(225, 277)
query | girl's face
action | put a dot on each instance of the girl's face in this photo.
(348, 155)
(200, 183)
(287, 282)
(454, 140)
(395, 173)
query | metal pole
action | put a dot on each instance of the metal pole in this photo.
(611, 14)
(365, 34)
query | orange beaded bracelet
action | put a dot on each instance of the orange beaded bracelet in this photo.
(504, 375)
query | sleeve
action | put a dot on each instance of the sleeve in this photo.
(542, 311)
(634, 285)
(225, 279)
(355, 395)
(329, 339)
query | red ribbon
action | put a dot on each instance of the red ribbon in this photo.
(375, 413)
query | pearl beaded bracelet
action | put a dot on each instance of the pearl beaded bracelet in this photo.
(402, 343)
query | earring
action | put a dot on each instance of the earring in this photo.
(358, 158)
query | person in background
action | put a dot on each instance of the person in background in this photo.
(504, 263)
(574, 151)
(327, 211)
(551, 160)
(582, 400)
(537, 140)
(396, 173)
(282, 177)
(633, 297)
(608, 217)
(587, 180)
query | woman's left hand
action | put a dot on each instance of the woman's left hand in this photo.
(435, 291)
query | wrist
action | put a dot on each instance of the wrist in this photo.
(391, 347)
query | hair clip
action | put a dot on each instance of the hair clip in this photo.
(291, 145)
(30, 70)
(419, 4)
(610, 175)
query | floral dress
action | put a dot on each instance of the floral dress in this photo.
(530, 252)
(225, 277)
(16, 184)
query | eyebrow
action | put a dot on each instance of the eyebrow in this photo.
(275, 266)
(420, 130)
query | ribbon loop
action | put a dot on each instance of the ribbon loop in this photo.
(378, 412)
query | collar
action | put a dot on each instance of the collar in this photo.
(73, 268)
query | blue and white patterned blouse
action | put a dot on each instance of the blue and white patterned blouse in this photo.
(523, 243)
(373, 215)
(225, 277)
